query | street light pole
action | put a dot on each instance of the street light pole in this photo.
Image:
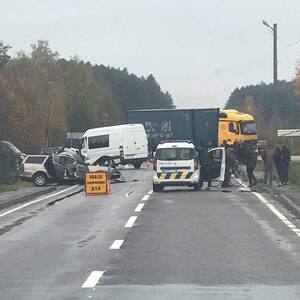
(275, 54)
(274, 29)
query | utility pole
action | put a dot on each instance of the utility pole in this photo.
(275, 87)
(274, 29)
(275, 54)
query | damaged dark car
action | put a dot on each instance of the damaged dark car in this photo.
(59, 168)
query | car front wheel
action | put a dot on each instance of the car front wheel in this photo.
(157, 188)
(40, 179)
(137, 164)
(197, 187)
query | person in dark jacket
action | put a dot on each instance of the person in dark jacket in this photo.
(286, 159)
(251, 159)
(238, 151)
(205, 163)
(277, 158)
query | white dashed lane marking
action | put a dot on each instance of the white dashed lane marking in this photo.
(146, 197)
(95, 276)
(93, 279)
(276, 212)
(139, 207)
(131, 221)
(116, 244)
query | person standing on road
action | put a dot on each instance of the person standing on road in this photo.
(238, 151)
(286, 159)
(251, 159)
(229, 163)
(205, 163)
(277, 158)
(267, 157)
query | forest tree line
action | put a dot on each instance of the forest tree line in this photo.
(274, 107)
(42, 96)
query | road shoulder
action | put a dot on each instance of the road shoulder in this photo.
(22, 195)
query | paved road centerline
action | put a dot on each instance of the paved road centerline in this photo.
(276, 212)
(36, 201)
(139, 207)
(146, 197)
(93, 279)
(131, 221)
(116, 244)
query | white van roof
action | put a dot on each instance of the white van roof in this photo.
(113, 128)
(175, 145)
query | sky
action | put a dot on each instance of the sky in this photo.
(198, 50)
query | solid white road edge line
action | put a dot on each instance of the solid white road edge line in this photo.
(276, 212)
(36, 201)
(139, 207)
(116, 245)
(131, 221)
(146, 197)
(93, 279)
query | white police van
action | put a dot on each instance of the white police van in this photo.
(176, 164)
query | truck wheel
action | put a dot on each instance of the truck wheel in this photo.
(157, 188)
(39, 179)
(137, 164)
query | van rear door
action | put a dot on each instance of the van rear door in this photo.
(129, 144)
(141, 143)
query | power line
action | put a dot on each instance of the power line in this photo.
(289, 45)
(283, 43)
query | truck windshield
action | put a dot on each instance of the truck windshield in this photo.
(175, 154)
(248, 127)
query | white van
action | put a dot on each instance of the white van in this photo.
(176, 164)
(121, 144)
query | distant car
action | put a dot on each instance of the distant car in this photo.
(42, 169)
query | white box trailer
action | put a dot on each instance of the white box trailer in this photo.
(121, 144)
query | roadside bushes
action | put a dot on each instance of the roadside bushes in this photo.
(8, 165)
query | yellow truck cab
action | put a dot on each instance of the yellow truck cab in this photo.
(236, 126)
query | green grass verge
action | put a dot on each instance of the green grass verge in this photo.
(15, 186)
(294, 174)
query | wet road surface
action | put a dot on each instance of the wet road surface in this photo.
(134, 244)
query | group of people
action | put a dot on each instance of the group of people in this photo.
(240, 153)
(246, 154)
(281, 158)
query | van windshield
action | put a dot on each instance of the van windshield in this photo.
(175, 154)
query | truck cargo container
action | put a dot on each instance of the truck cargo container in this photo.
(197, 125)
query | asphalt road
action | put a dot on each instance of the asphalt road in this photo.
(134, 244)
